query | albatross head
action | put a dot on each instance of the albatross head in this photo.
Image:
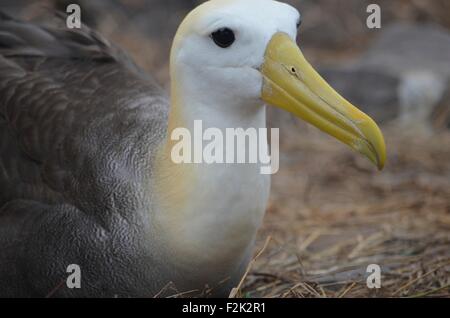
(233, 56)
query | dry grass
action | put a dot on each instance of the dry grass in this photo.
(331, 215)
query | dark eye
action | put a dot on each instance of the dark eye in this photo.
(223, 37)
(299, 23)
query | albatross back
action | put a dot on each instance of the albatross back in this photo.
(79, 127)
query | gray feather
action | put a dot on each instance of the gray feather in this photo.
(79, 125)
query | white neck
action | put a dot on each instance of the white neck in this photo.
(210, 213)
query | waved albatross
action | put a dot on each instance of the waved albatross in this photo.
(86, 175)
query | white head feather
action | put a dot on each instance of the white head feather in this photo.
(218, 76)
(222, 87)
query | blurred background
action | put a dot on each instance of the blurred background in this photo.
(331, 214)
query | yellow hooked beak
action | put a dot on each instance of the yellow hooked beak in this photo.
(292, 84)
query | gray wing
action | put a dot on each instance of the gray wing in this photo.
(79, 122)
